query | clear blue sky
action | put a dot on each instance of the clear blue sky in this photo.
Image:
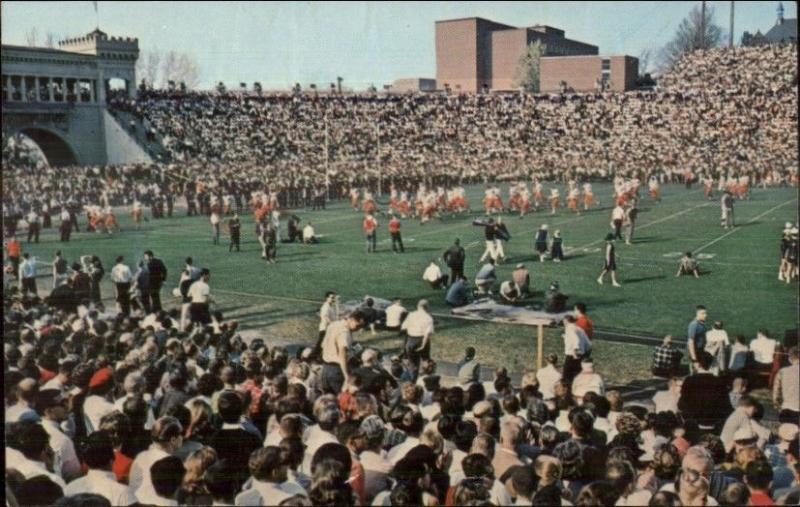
(281, 43)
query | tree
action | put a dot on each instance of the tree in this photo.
(644, 61)
(527, 75)
(178, 67)
(50, 40)
(148, 66)
(694, 32)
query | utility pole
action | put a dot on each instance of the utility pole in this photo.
(327, 161)
(378, 161)
(703, 25)
(730, 36)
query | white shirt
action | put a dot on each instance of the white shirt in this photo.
(337, 337)
(575, 338)
(103, 483)
(377, 468)
(432, 273)
(587, 382)
(316, 438)
(66, 462)
(418, 323)
(268, 493)
(665, 401)
(393, 314)
(308, 232)
(29, 468)
(548, 377)
(94, 408)
(763, 349)
(140, 482)
(121, 273)
(399, 451)
(27, 269)
(327, 314)
(151, 418)
(199, 292)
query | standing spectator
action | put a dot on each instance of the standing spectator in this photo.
(200, 296)
(419, 328)
(696, 335)
(583, 321)
(704, 397)
(717, 343)
(394, 232)
(630, 221)
(14, 251)
(60, 266)
(666, 359)
(576, 348)
(33, 225)
(231, 442)
(667, 401)
(335, 348)
(51, 405)
(763, 350)
(27, 275)
(454, 257)
(328, 313)
(727, 210)
(167, 436)
(121, 276)
(610, 262)
(548, 377)
(215, 221)
(157, 275)
(786, 390)
(96, 272)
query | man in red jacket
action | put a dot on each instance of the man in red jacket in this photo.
(394, 231)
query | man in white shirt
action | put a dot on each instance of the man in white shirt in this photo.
(587, 381)
(98, 454)
(52, 407)
(763, 349)
(23, 409)
(121, 276)
(419, 328)
(329, 312)
(166, 475)
(434, 276)
(786, 391)
(335, 347)
(167, 436)
(374, 459)
(548, 377)
(27, 275)
(326, 412)
(269, 485)
(395, 314)
(200, 296)
(35, 457)
(576, 347)
(134, 385)
(309, 235)
(667, 401)
(96, 404)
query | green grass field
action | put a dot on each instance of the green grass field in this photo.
(280, 301)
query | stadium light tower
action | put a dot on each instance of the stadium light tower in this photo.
(730, 34)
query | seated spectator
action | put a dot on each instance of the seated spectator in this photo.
(510, 292)
(458, 293)
(486, 278)
(666, 359)
(554, 300)
(396, 313)
(587, 381)
(739, 353)
(167, 474)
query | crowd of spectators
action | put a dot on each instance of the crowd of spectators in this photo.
(109, 408)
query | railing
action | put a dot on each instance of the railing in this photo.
(153, 148)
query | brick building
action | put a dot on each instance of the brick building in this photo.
(581, 73)
(474, 52)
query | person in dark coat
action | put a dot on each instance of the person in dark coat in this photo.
(157, 275)
(556, 248)
(610, 263)
(235, 229)
(454, 257)
(704, 396)
(81, 284)
(231, 442)
(541, 242)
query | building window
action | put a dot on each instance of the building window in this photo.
(606, 64)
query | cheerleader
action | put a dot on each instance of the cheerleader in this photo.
(610, 262)
(556, 247)
(369, 203)
(524, 202)
(538, 197)
(394, 202)
(541, 242)
(572, 200)
(554, 198)
(708, 187)
(655, 189)
(405, 205)
(111, 221)
(588, 196)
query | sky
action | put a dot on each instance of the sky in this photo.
(280, 43)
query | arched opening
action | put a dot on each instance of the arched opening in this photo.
(116, 88)
(55, 150)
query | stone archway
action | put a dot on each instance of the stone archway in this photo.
(57, 151)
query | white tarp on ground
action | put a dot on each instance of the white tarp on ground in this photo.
(489, 310)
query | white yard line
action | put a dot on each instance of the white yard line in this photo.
(736, 229)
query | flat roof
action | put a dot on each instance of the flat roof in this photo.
(473, 17)
(44, 50)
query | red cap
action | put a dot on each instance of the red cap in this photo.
(101, 377)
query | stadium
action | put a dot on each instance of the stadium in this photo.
(334, 297)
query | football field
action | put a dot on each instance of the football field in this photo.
(280, 301)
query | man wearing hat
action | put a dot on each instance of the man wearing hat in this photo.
(610, 264)
(97, 405)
